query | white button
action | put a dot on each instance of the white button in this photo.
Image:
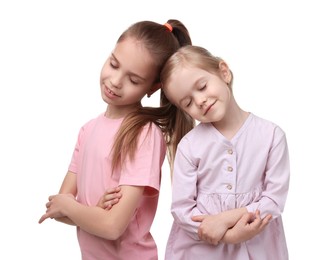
(230, 151)
(230, 169)
(229, 187)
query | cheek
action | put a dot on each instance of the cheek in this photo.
(191, 112)
(103, 76)
(136, 92)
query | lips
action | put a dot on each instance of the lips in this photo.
(208, 108)
(110, 92)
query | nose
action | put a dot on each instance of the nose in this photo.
(200, 100)
(116, 80)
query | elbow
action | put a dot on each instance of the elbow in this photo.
(113, 232)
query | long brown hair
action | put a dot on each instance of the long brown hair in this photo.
(161, 43)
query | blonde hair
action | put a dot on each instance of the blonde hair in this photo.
(161, 44)
(193, 56)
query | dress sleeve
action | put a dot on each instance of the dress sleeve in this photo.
(184, 192)
(145, 168)
(277, 177)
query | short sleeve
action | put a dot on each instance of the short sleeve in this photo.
(145, 168)
(73, 166)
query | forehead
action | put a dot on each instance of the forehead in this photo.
(134, 57)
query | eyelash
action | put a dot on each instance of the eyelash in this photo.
(134, 82)
(189, 103)
(204, 86)
(115, 67)
(200, 89)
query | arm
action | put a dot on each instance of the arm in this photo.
(277, 176)
(213, 227)
(232, 226)
(95, 220)
(184, 193)
(246, 228)
(69, 186)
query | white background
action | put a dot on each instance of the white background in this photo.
(51, 54)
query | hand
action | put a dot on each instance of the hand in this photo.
(246, 228)
(110, 198)
(212, 227)
(55, 206)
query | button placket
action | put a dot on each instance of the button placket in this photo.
(230, 169)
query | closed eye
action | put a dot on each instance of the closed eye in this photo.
(188, 103)
(134, 82)
(113, 65)
(203, 87)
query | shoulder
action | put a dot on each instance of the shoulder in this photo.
(90, 125)
(92, 121)
(265, 124)
(266, 131)
(198, 135)
(152, 129)
(152, 132)
(200, 129)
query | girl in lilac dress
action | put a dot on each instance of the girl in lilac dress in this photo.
(231, 172)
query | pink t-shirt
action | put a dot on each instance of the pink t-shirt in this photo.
(92, 164)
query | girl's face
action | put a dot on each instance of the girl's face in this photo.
(202, 95)
(127, 75)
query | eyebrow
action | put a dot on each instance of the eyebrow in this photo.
(130, 72)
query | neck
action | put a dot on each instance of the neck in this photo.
(232, 122)
(115, 112)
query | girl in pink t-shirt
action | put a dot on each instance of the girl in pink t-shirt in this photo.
(124, 146)
(231, 172)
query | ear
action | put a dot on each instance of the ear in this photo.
(154, 88)
(225, 72)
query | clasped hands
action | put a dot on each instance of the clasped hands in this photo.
(57, 204)
(215, 228)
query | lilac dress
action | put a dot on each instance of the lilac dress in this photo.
(213, 174)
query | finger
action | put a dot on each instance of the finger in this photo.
(246, 218)
(111, 196)
(200, 234)
(198, 218)
(266, 220)
(257, 214)
(51, 197)
(113, 190)
(110, 190)
(48, 204)
(43, 217)
(111, 202)
(211, 240)
(263, 223)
